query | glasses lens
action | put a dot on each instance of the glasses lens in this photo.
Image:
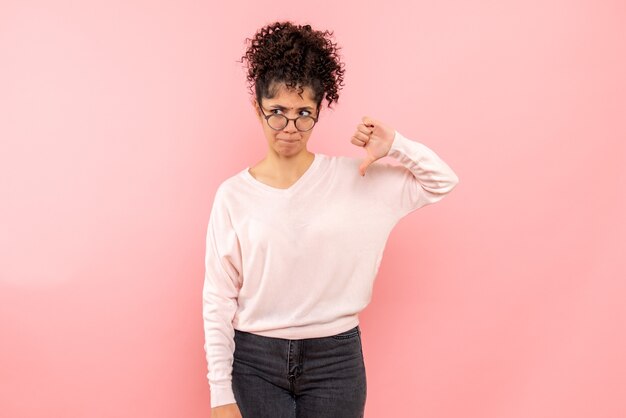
(277, 121)
(304, 123)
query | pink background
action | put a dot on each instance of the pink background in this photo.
(119, 119)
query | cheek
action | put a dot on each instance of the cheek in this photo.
(269, 132)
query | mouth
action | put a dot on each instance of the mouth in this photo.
(287, 140)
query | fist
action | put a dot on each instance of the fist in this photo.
(375, 137)
(230, 410)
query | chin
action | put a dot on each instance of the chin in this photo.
(288, 149)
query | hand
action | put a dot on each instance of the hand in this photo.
(230, 410)
(375, 137)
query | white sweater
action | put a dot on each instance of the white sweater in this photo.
(301, 262)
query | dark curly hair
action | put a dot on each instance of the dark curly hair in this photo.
(283, 52)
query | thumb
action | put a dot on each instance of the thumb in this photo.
(369, 121)
(366, 163)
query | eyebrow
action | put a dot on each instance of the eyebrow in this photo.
(276, 106)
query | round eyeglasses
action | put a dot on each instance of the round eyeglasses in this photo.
(279, 122)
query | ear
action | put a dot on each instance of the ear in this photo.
(255, 105)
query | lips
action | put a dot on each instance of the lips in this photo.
(288, 140)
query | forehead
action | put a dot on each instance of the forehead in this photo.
(290, 97)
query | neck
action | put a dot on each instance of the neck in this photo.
(292, 165)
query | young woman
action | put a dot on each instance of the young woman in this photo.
(294, 242)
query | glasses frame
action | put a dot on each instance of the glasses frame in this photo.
(267, 120)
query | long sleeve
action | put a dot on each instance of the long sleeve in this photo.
(422, 178)
(220, 291)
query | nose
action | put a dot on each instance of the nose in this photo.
(290, 123)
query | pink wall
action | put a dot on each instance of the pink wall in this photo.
(119, 119)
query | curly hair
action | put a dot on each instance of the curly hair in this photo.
(283, 52)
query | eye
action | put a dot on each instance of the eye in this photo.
(307, 113)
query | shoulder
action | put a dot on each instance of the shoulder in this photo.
(229, 183)
(228, 189)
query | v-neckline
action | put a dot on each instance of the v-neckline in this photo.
(295, 185)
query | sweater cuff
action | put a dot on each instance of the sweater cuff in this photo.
(222, 396)
(398, 145)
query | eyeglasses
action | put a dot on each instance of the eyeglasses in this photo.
(278, 122)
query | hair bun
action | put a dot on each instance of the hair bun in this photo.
(296, 55)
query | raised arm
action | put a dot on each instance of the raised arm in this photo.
(423, 177)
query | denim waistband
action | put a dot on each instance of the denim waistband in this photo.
(348, 333)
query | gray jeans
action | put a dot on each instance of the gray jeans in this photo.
(307, 378)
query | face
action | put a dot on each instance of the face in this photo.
(288, 141)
